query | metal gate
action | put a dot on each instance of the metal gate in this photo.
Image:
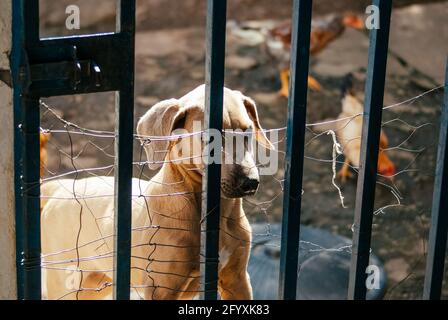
(91, 63)
(63, 66)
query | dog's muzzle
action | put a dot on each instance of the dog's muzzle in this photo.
(244, 187)
(250, 186)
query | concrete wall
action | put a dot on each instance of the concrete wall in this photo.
(8, 288)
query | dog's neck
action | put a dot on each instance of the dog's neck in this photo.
(192, 182)
(183, 176)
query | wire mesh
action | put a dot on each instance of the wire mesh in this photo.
(77, 205)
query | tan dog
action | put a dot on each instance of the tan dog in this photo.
(166, 215)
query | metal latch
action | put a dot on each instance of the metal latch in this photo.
(70, 72)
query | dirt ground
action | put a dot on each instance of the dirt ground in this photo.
(170, 62)
(167, 14)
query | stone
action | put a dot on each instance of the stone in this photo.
(241, 63)
(397, 269)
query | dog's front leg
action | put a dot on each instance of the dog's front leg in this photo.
(173, 269)
(240, 289)
(173, 286)
(234, 281)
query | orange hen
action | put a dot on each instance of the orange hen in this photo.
(323, 31)
(349, 132)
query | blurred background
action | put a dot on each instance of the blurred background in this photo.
(170, 54)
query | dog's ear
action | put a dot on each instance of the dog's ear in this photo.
(154, 128)
(260, 135)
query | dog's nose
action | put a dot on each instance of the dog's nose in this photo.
(250, 185)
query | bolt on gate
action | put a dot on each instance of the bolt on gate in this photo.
(44, 67)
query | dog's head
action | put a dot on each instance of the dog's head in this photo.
(184, 119)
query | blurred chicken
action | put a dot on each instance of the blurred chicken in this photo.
(43, 139)
(323, 31)
(349, 132)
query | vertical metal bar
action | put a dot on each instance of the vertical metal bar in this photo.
(435, 260)
(26, 153)
(295, 144)
(31, 21)
(31, 199)
(365, 193)
(16, 62)
(125, 16)
(124, 111)
(214, 95)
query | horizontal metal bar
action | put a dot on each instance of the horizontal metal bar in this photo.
(216, 41)
(295, 145)
(67, 75)
(435, 261)
(124, 147)
(89, 46)
(101, 49)
(365, 193)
